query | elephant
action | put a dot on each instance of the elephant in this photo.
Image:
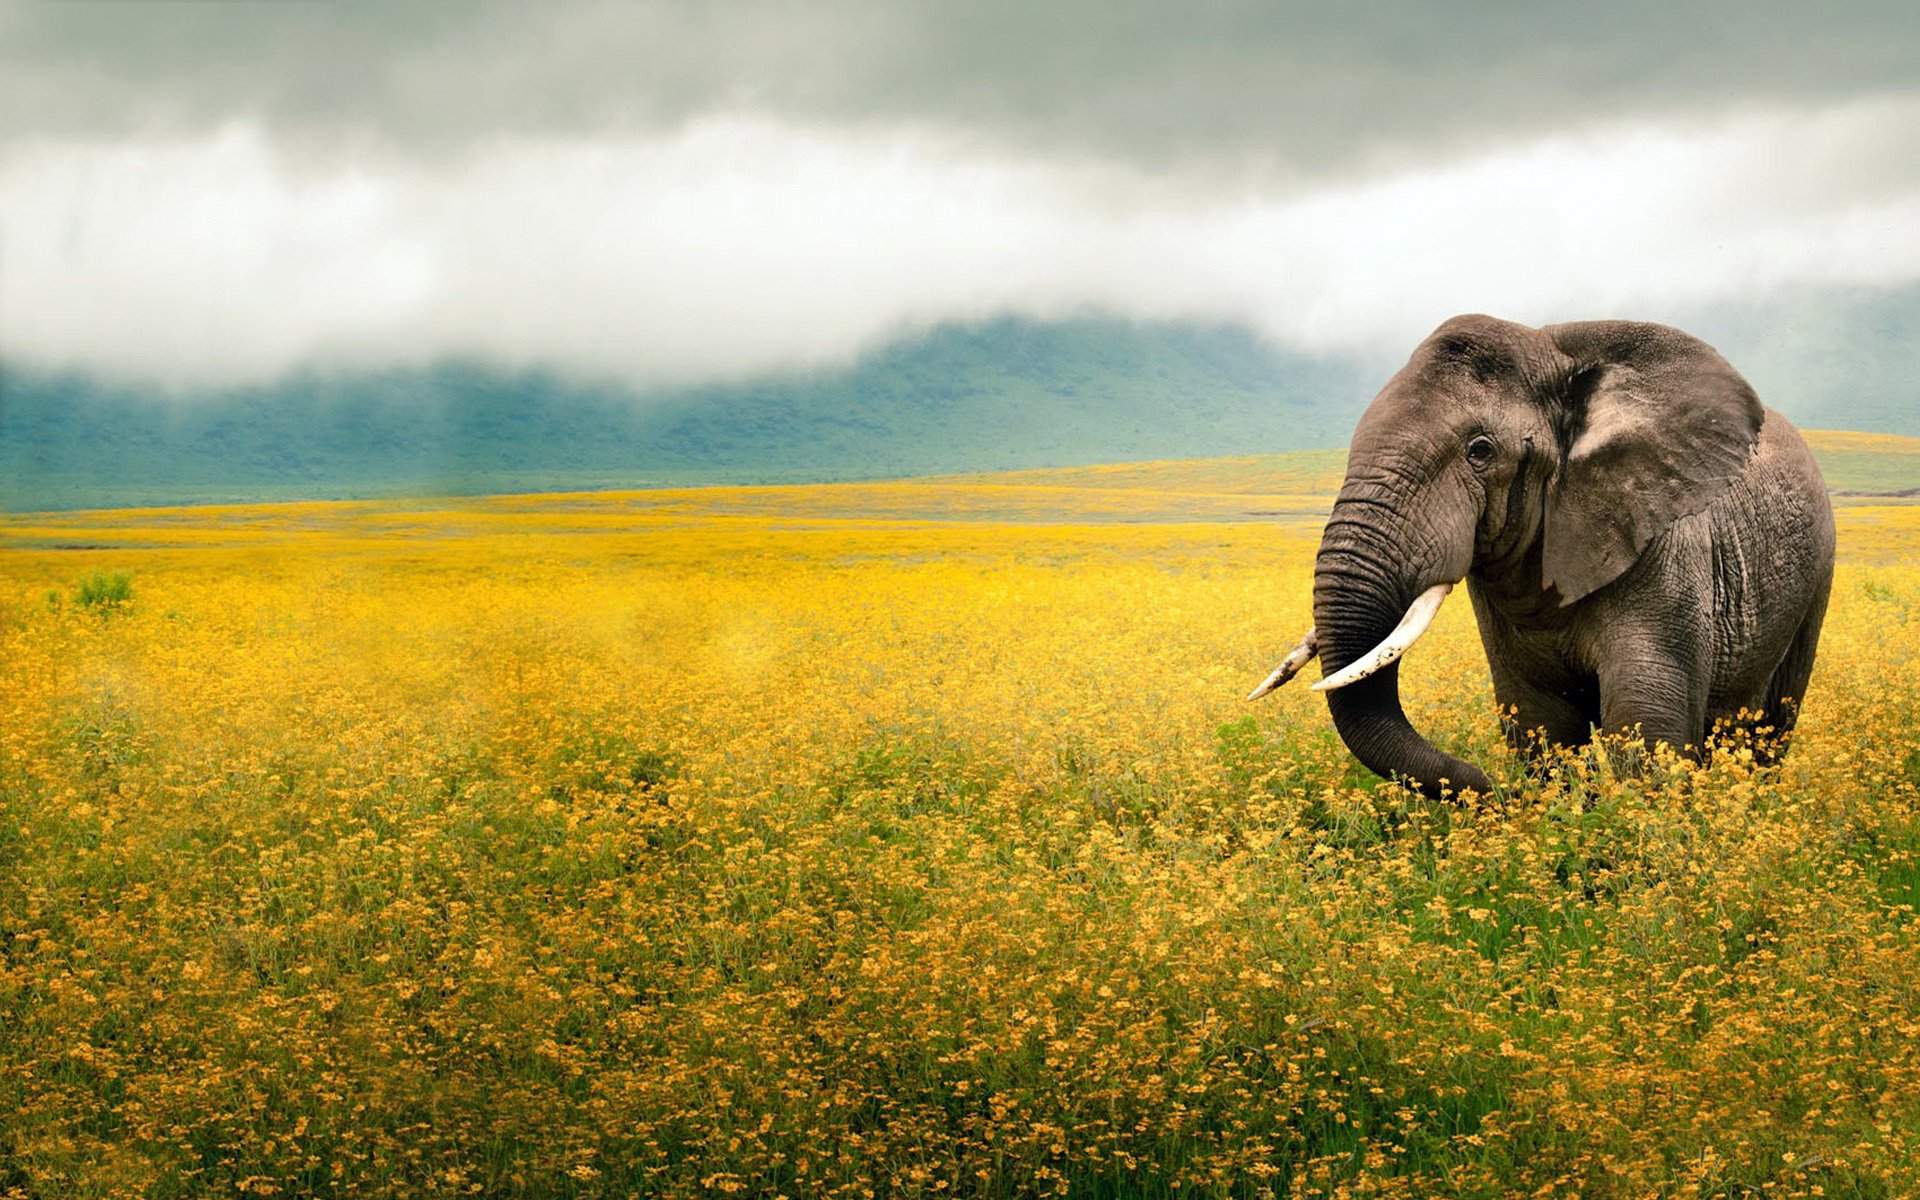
(1648, 549)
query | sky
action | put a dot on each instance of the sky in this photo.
(201, 194)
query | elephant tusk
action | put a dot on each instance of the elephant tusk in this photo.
(1297, 657)
(1420, 614)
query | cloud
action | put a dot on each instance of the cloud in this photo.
(203, 192)
(730, 245)
(1264, 90)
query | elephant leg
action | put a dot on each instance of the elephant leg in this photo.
(1656, 696)
(1789, 682)
(1535, 718)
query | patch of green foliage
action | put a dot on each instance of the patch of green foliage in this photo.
(104, 591)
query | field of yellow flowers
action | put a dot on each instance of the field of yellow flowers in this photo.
(898, 839)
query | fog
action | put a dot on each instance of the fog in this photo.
(207, 193)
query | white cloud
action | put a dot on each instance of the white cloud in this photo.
(740, 245)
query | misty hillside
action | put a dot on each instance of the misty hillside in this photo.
(1002, 394)
(1006, 393)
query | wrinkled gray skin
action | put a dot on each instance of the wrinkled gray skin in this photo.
(1646, 545)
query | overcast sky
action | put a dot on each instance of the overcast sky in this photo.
(208, 193)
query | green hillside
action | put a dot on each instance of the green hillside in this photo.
(1006, 394)
(1867, 464)
(1840, 359)
(1003, 394)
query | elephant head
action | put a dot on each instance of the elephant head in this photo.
(1538, 462)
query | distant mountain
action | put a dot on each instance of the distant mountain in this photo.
(1842, 359)
(1004, 393)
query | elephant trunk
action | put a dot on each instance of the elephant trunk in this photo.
(1360, 595)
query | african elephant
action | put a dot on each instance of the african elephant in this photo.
(1647, 547)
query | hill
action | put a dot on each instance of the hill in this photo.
(995, 395)
(1001, 394)
(1844, 359)
(1867, 464)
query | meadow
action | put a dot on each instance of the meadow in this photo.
(903, 839)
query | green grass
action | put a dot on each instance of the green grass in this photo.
(104, 590)
(1875, 464)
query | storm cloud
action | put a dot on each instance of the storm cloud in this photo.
(227, 191)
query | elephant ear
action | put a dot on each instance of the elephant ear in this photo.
(1654, 426)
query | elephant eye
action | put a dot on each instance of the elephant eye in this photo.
(1480, 450)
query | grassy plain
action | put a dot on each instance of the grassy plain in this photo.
(898, 839)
